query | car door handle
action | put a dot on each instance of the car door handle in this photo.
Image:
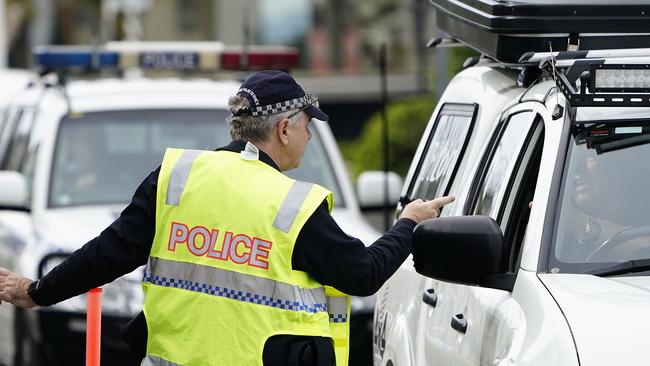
(430, 297)
(459, 323)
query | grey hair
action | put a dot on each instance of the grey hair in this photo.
(252, 128)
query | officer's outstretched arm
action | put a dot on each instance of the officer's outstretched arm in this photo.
(13, 289)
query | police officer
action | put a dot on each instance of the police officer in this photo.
(245, 266)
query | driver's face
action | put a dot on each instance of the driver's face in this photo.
(604, 184)
(585, 181)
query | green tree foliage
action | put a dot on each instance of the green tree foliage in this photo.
(457, 57)
(407, 120)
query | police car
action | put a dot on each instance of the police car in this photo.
(544, 257)
(73, 151)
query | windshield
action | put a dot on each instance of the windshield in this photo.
(604, 211)
(101, 157)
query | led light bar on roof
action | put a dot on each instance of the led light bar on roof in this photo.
(204, 56)
(620, 78)
(612, 97)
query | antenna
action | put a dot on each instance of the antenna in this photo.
(384, 130)
(559, 110)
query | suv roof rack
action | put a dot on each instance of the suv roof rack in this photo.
(443, 42)
(536, 57)
(604, 85)
(505, 30)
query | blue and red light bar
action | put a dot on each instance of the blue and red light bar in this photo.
(197, 56)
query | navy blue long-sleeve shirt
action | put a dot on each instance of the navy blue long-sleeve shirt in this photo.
(322, 249)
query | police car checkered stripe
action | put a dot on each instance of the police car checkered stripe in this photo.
(152, 360)
(291, 205)
(234, 285)
(337, 307)
(178, 177)
(287, 105)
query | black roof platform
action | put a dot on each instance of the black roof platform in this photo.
(506, 29)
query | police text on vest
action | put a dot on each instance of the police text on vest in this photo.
(237, 248)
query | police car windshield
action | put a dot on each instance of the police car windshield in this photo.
(603, 215)
(101, 157)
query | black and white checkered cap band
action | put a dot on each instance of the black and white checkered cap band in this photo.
(287, 105)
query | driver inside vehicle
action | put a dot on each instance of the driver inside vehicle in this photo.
(604, 212)
(79, 164)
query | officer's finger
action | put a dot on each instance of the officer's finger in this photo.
(4, 275)
(441, 201)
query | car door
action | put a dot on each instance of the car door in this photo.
(473, 325)
(434, 174)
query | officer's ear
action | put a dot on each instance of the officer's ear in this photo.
(282, 131)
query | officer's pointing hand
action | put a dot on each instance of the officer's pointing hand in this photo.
(13, 289)
(419, 210)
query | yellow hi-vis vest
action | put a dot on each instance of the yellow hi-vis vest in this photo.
(219, 282)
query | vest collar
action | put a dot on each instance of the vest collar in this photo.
(239, 145)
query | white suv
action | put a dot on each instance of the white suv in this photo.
(544, 257)
(71, 156)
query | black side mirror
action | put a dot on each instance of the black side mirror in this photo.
(463, 249)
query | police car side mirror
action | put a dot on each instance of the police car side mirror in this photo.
(465, 249)
(13, 191)
(371, 186)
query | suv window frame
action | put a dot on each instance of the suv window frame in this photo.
(548, 231)
(537, 120)
(514, 234)
(488, 155)
(461, 152)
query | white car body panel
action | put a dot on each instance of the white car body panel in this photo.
(67, 227)
(396, 315)
(13, 81)
(593, 304)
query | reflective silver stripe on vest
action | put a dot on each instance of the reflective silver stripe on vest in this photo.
(178, 177)
(152, 360)
(291, 205)
(234, 285)
(337, 307)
